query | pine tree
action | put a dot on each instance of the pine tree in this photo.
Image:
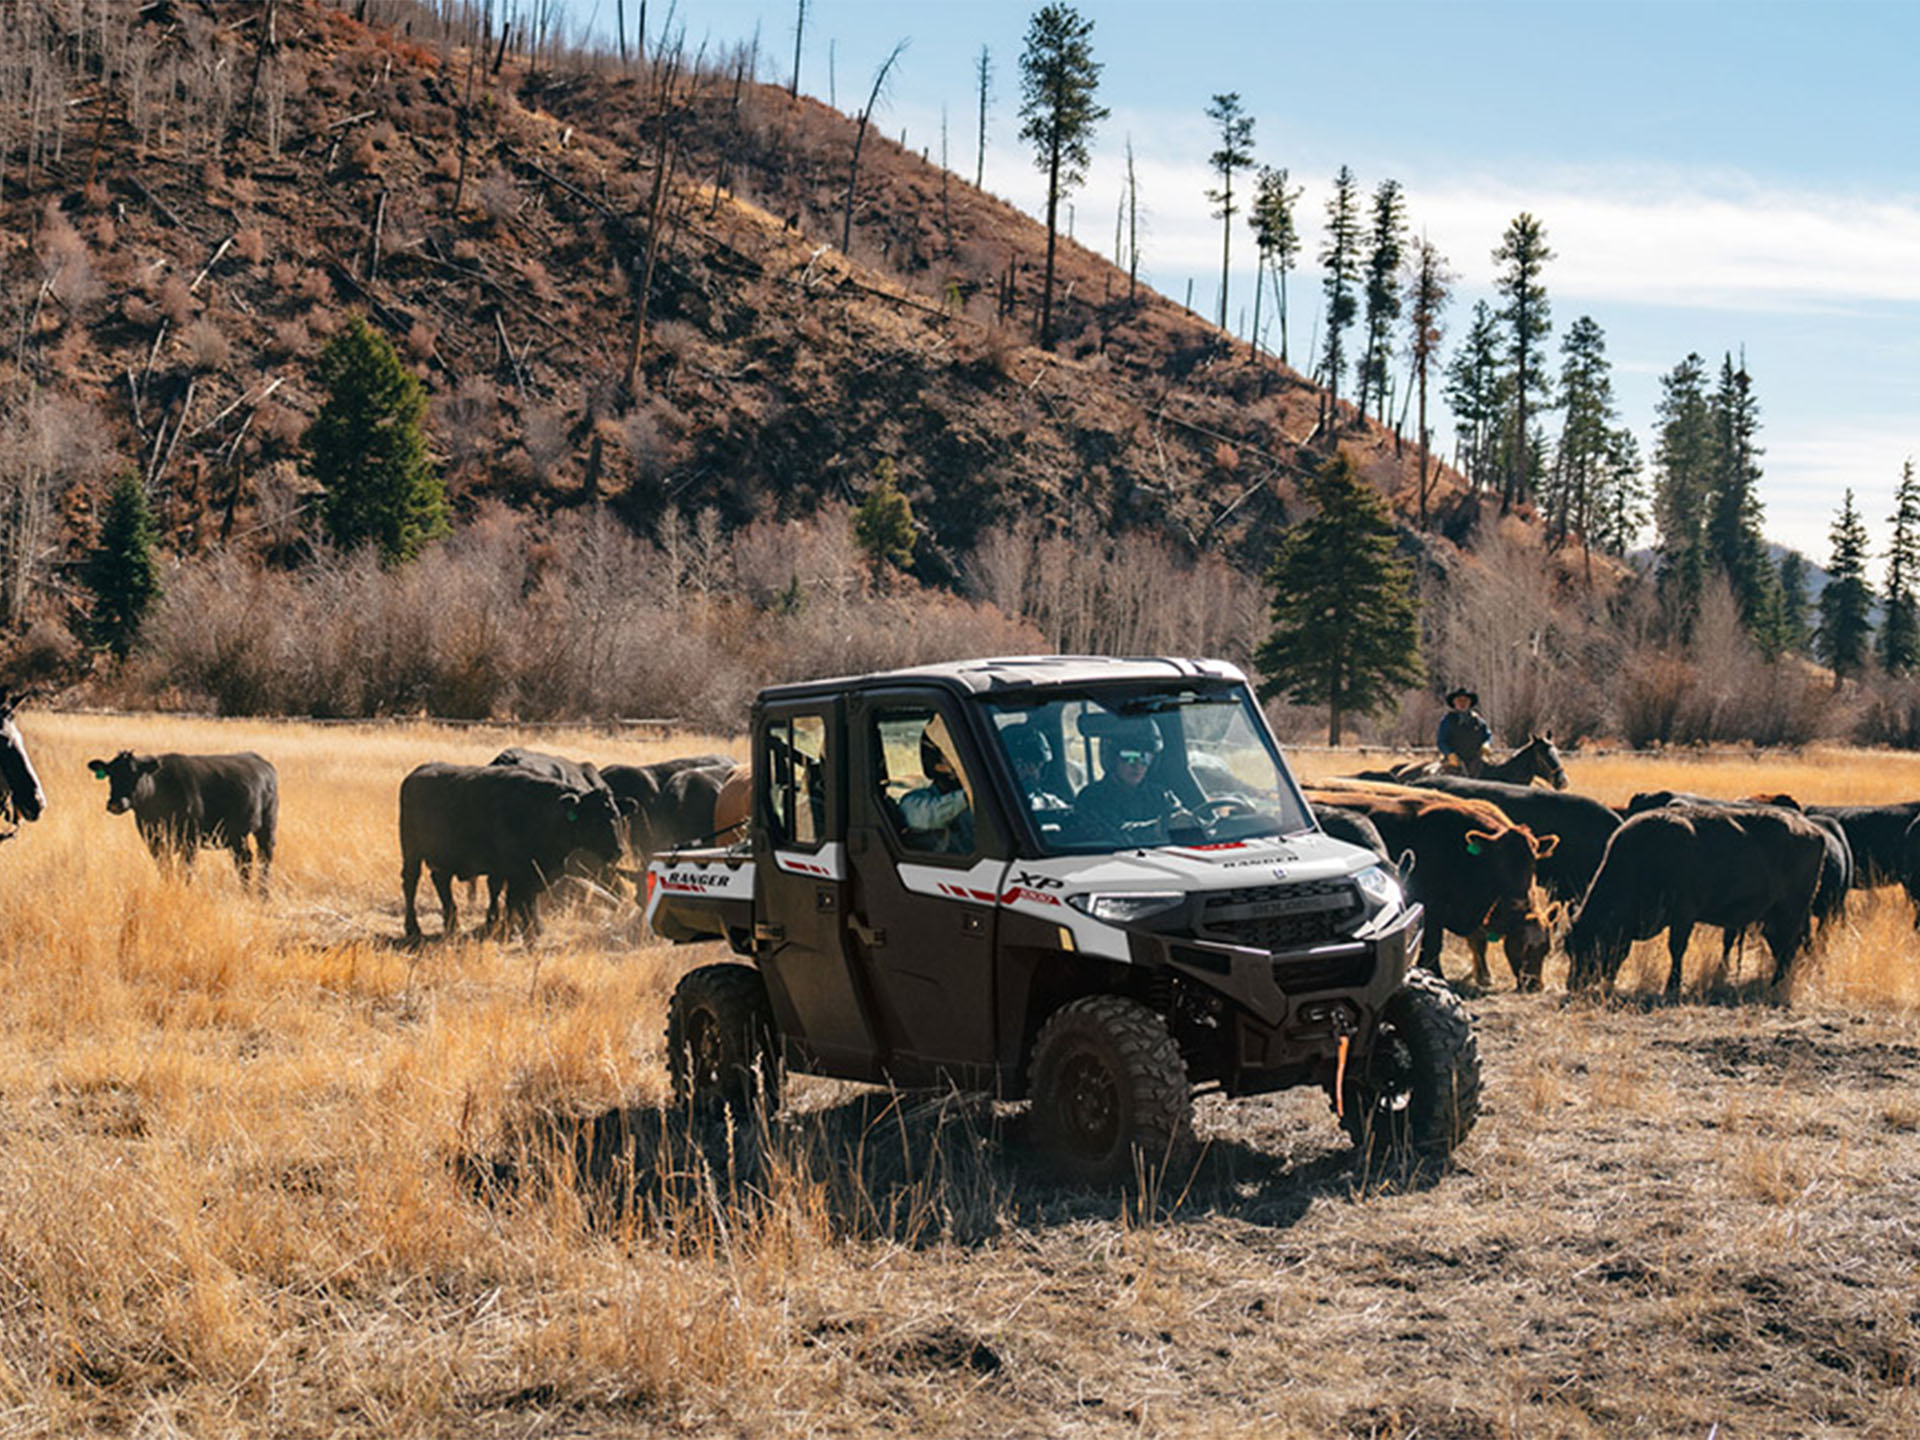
(1235, 153)
(1387, 245)
(1733, 536)
(1523, 250)
(1346, 624)
(1277, 240)
(1682, 460)
(1619, 510)
(883, 523)
(1473, 390)
(1846, 599)
(368, 451)
(1900, 629)
(1429, 287)
(1340, 262)
(1793, 603)
(1580, 461)
(122, 572)
(1058, 77)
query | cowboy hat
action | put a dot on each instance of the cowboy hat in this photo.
(1473, 699)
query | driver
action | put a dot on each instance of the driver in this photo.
(939, 814)
(1123, 799)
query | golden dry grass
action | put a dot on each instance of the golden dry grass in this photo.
(268, 1174)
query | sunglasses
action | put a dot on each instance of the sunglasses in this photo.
(1132, 757)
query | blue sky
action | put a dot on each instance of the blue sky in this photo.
(1712, 176)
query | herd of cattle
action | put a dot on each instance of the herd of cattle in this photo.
(1492, 860)
(519, 822)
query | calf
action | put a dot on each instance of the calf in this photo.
(1684, 865)
(1837, 870)
(514, 827)
(180, 802)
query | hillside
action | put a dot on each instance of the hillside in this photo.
(192, 204)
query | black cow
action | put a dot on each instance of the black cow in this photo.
(20, 794)
(180, 802)
(1877, 834)
(574, 774)
(1583, 824)
(642, 783)
(1352, 827)
(683, 810)
(1682, 865)
(512, 826)
(1474, 869)
(1837, 869)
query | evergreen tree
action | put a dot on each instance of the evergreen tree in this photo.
(1523, 250)
(368, 451)
(1473, 390)
(122, 572)
(1619, 509)
(1682, 461)
(1429, 287)
(1586, 432)
(1846, 600)
(1900, 629)
(1733, 539)
(1340, 262)
(1235, 153)
(1793, 603)
(1058, 77)
(883, 523)
(1387, 245)
(1346, 624)
(1277, 239)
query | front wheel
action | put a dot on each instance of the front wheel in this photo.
(1108, 1081)
(1414, 1096)
(720, 1038)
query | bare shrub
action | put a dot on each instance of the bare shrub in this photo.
(497, 197)
(547, 439)
(250, 245)
(176, 301)
(206, 345)
(284, 276)
(289, 339)
(1889, 713)
(316, 286)
(322, 323)
(650, 434)
(422, 339)
(66, 262)
(465, 417)
(50, 443)
(138, 311)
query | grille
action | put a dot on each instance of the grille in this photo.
(1280, 917)
(1336, 972)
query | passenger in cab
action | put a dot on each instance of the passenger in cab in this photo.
(1031, 753)
(939, 813)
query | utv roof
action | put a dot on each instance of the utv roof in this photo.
(1020, 672)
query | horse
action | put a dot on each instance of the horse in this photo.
(21, 797)
(1538, 759)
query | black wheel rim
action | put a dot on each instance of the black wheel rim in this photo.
(1089, 1104)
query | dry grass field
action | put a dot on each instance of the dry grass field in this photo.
(267, 1173)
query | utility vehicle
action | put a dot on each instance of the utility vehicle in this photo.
(1088, 882)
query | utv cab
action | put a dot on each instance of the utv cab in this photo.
(1088, 882)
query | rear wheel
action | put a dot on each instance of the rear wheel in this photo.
(720, 1038)
(1416, 1093)
(1108, 1081)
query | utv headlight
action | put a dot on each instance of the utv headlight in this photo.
(1380, 890)
(1127, 908)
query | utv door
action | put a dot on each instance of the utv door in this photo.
(927, 865)
(801, 892)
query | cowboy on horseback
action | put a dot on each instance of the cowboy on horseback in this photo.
(1464, 733)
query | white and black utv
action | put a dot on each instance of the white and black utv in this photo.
(1090, 882)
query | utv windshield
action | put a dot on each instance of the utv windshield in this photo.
(1122, 768)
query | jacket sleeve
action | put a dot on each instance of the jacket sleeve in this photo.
(930, 809)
